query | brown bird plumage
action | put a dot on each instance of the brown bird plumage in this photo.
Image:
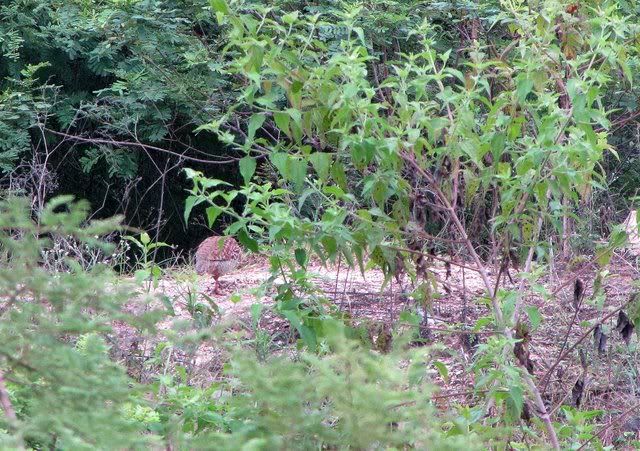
(218, 255)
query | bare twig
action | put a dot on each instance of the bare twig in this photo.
(562, 355)
(116, 143)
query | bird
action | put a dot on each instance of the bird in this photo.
(218, 255)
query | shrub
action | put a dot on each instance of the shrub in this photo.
(64, 392)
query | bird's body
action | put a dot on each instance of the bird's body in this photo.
(217, 256)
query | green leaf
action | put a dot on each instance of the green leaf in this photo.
(279, 160)
(256, 313)
(212, 214)
(156, 272)
(145, 238)
(413, 319)
(509, 300)
(297, 171)
(307, 334)
(442, 369)
(338, 175)
(219, 6)
(330, 245)
(523, 89)
(141, 275)
(247, 241)
(296, 87)
(296, 115)
(303, 197)
(534, 316)
(515, 402)
(247, 168)
(282, 122)
(255, 123)
(301, 257)
(191, 202)
(290, 18)
(308, 337)
(207, 183)
(321, 162)
(362, 153)
(360, 34)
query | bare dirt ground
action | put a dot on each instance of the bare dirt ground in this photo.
(608, 380)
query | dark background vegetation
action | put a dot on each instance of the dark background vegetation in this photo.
(111, 116)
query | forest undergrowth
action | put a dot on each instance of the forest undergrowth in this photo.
(426, 197)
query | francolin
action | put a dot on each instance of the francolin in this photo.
(218, 255)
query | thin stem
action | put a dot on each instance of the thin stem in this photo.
(497, 310)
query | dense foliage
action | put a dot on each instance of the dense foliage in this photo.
(512, 136)
(374, 135)
(62, 385)
(102, 99)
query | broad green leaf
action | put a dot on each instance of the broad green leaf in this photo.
(256, 313)
(362, 153)
(308, 337)
(255, 123)
(296, 115)
(211, 183)
(509, 299)
(338, 175)
(303, 197)
(212, 214)
(279, 160)
(292, 316)
(360, 32)
(142, 274)
(321, 162)
(515, 402)
(301, 257)
(282, 122)
(534, 316)
(504, 171)
(412, 318)
(290, 18)
(297, 172)
(189, 203)
(247, 168)
(523, 88)
(219, 6)
(191, 174)
(166, 301)
(330, 245)
(247, 241)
